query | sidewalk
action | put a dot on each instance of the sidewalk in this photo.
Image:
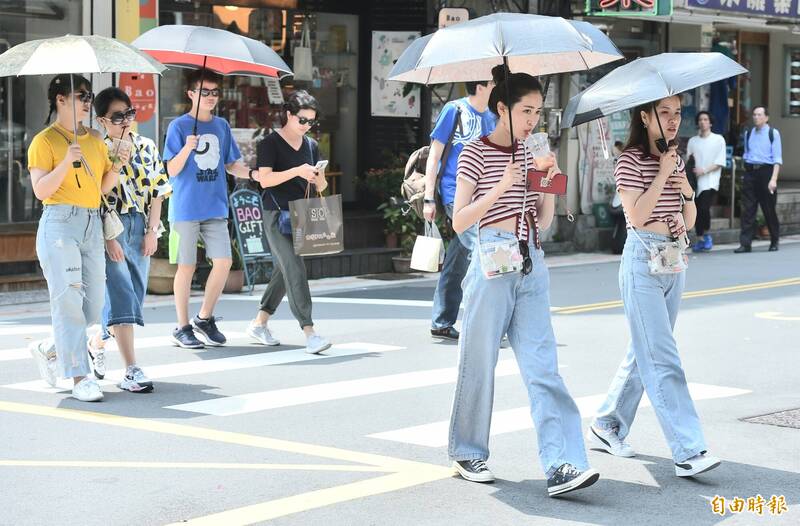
(35, 302)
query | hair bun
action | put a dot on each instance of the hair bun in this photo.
(499, 73)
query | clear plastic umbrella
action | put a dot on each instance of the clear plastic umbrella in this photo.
(76, 54)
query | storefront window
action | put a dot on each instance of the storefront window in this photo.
(23, 106)
(249, 105)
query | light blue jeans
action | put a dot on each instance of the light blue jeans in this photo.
(69, 245)
(447, 298)
(519, 306)
(652, 363)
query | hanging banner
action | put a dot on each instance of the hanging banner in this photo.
(388, 98)
(628, 7)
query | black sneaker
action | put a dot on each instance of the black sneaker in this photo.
(448, 333)
(568, 478)
(474, 470)
(184, 337)
(743, 249)
(208, 330)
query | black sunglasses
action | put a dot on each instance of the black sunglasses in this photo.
(527, 263)
(311, 122)
(118, 117)
(208, 92)
(84, 96)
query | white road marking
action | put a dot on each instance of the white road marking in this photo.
(199, 366)
(262, 401)
(519, 419)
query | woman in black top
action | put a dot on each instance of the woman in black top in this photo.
(286, 167)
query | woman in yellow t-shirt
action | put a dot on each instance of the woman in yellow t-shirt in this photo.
(69, 241)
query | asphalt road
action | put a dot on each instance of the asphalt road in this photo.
(246, 434)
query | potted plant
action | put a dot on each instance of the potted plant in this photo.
(401, 223)
(162, 273)
(235, 280)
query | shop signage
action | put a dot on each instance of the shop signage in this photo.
(778, 8)
(248, 220)
(449, 16)
(628, 7)
(142, 91)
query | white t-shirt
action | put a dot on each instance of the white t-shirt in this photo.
(707, 151)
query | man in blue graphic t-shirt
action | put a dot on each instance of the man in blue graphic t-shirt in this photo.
(474, 121)
(197, 164)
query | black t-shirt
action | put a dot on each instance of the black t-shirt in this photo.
(274, 152)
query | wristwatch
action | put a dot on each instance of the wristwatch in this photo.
(153, 229)
(429, 201)
(690, 198)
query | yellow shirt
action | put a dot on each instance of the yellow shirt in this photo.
(49, 147)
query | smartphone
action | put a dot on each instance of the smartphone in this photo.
(321, 165)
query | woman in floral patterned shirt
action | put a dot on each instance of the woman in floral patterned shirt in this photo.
(137, 198)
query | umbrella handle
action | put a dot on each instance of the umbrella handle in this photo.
(508, 99)
(199, 96)
(75, 164)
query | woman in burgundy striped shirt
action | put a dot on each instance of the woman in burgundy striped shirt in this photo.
(654, 191)
(507, 291)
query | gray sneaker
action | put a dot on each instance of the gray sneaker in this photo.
(261, 334)
(44, 352)
(135, 380)
(315, 344)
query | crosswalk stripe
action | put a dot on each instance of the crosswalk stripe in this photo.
(436, 434)
(252, 402)
(15, 329)
(148, 342)
(160, 372)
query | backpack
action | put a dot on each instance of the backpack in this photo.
(413, 186)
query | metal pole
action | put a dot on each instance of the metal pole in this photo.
(10, 142)
(75, 164)
(733, 187)
(508, 98)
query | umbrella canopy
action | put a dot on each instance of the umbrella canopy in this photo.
(534, 44)
(215, 49)
(647, 80)
(76, 54)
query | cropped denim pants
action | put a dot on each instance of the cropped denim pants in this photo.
(69, 245)
(518, 306)
(126, 282)
(652, 363)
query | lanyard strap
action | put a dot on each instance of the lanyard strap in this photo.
(85, 166)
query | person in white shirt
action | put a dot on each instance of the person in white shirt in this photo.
(708, 150)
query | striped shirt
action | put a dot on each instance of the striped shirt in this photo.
(635, 171)
(482, 164)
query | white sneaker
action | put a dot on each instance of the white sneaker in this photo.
(135, 380)
(608, 440)
(696, 465)
(44, 352)
(87, 390)
(98, 357)
(315, 344)
(261, 334)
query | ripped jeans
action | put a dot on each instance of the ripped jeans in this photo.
(71, 251)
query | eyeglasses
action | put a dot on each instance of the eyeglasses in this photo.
(208, 92)
(84, 96)
(118, 117)
(310, 122)
(527, 263)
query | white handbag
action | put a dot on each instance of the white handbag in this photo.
(303, 65)
(428, 251)
(112, 224)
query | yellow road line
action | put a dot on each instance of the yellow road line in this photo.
(688, 295)
(405, 473)
(186, 465)
(317, 499)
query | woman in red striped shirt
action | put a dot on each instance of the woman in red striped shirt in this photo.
(507, 291)
(659, 205)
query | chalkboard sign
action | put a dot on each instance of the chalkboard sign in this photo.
(248, 219)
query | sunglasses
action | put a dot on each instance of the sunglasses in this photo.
(84, 96)
(208, 92)
(310, 122)
(118, 117)
(527, 263)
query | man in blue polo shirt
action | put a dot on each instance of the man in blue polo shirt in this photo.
(762, 161)
(475, 120)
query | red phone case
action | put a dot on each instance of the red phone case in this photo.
(558, 184)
